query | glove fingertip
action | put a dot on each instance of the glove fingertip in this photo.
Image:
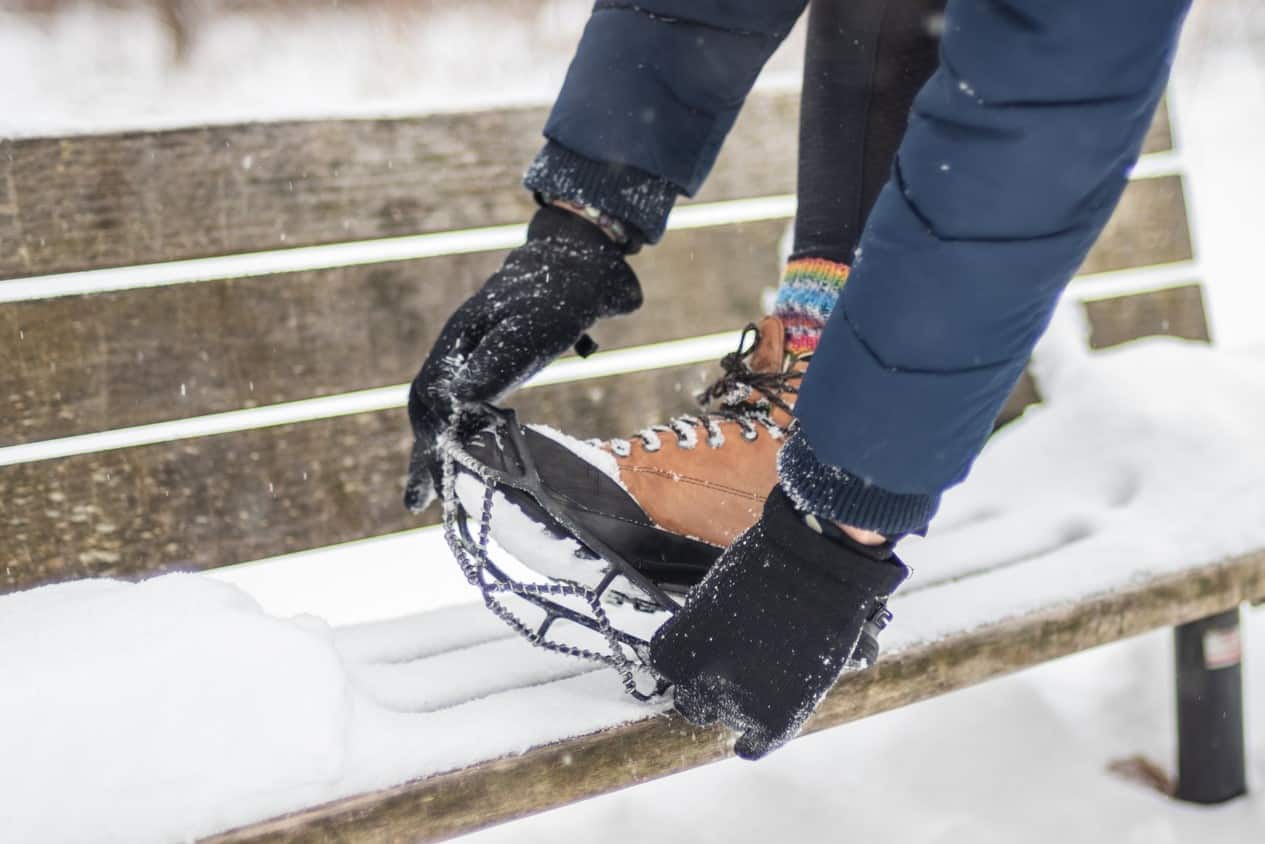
(754, 744)
(694, 706)
(418, 494)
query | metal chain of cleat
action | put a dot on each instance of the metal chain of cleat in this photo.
(471, 553)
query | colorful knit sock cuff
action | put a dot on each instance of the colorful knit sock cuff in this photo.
(810, 287)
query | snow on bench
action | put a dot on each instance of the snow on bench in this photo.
(1122, 504)
(1118, 476)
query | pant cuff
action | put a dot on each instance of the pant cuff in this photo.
(829, 492)
(631, 195)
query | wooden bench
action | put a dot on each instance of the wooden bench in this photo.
(206, 332)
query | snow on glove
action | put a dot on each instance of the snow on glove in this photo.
(765, 635)
(537, 305)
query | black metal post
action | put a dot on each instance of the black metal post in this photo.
(1210, 752)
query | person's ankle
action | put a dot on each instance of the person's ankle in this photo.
(612, 228)
(865, 537)
(858, 535)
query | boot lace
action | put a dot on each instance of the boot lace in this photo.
(741, 395)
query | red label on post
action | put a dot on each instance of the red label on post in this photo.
(1222, 648)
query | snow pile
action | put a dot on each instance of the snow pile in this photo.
(367, 580)
(176, 708)
(146, 712)
(1145, 458)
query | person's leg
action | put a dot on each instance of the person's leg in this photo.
(1017, 152)
(864, 62)
(649, 98)
(693, 482)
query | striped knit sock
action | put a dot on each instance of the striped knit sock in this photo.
(810, 287)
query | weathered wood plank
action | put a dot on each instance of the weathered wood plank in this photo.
(1176, 312)
(1160, 136)
(213, 501)
(140, 197)
(493, 792)
(210, 501)
(1148, 227)
(88, 363)
(157, 196)
(1023, 396)
(111, 360)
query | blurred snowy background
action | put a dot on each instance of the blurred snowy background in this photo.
(79, 66)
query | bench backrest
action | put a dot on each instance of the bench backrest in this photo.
(163, 411)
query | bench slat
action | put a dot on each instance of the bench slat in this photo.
(1176, 311)
(493, 792)
(140, 197)
(1150, 221)
(113, 360)
(1160, 136)
(212, 501)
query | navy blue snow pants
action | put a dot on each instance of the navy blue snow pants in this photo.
(1017, 150)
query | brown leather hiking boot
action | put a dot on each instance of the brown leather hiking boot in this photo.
(666, 500)
(707, 476)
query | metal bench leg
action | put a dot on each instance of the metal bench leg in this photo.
(1210, 752)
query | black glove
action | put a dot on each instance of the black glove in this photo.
(537, 305)
(765, 635)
